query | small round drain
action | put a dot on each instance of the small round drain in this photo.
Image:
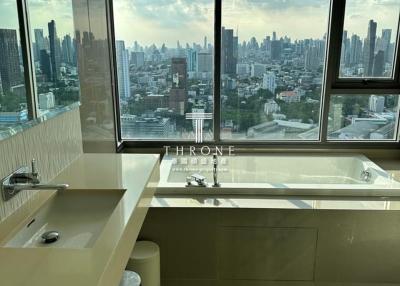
(50, 236)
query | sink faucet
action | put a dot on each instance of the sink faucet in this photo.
(22, 180)
(215, 172)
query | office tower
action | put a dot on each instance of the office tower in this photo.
(311, 62)
(228, 49)
(205, 43)
(67, 50)
(274, 36)
(267, 45)
(257, 70)
(269, 82)
(276, 50)
(45, 65)
(205, 62)
(10, 71)
(377, 103)
(379, 64)
(355, 50)
(177, 97)
(124, 86)
(345, 50)
(191, 58)
(369, 48)
(137, 59)
(55, 48)
(40, 43)
(385, 43)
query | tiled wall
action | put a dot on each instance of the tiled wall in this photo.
(54, 144)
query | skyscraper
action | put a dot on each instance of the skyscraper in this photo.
(379, 64)
(228, 48)
(45, 65)
(355, 50)
(137, 59)
(369, 48)
(39, 42)
(67, 50)
(124, 86)
(55, 55)
(191, 58)
(385, 43)
(205, 62)
(276, 49)
(10, 71)
(177, 97)
(269, 82)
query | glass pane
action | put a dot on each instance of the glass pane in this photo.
(13, 103)
(55, 55)
(272, 69)
(165, 68)
(369, 38)
(363, 117)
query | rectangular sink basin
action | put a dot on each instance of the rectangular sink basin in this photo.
(78, 216)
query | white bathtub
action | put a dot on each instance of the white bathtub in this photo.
(295, 175)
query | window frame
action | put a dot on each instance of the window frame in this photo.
(332, 85)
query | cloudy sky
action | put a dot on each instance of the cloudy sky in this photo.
(41, 12)
(165, 21)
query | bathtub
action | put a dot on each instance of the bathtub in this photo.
(278, 174)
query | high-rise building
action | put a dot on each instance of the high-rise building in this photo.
(311, 62)
(355, 50)
(385, 43)
(379, 64)
(178, 97)
(40, 43)
(269, 82)
(377, 103)
(55, 49)
(228, 51)
(137, 59)
(276, 49)
(257, 70)
(369, 48)
(205, 62)
(45, 65)
(67, 50)
(124, 86)
(10, 71)
(205, 46)
(191, 58)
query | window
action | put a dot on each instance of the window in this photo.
(363, 117)
(13, 100)
(321, 71)
(54, 55)
(164, 68)
(272, 73)
(369, 39)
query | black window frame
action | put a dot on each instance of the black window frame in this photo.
(332, 85)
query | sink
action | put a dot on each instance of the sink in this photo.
(78, 216)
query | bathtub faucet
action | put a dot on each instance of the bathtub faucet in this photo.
(200, 181)
(215, 172)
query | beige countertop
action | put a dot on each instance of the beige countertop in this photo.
(104, 263)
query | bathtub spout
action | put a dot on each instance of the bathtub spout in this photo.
(215, 172)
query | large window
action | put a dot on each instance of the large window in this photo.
(38, 61)
(164, 57)
(54, 54)
(369, 38)
(318, 71)
(272, 69)
(13, 101)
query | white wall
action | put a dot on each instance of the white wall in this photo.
(54, 144)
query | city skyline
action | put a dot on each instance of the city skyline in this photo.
(162, 24)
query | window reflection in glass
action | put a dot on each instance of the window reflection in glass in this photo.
(54, 54)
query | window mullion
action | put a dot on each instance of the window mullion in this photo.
(27, 58)
(217, 70)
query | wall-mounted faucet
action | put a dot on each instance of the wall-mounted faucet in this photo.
(22, 180)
